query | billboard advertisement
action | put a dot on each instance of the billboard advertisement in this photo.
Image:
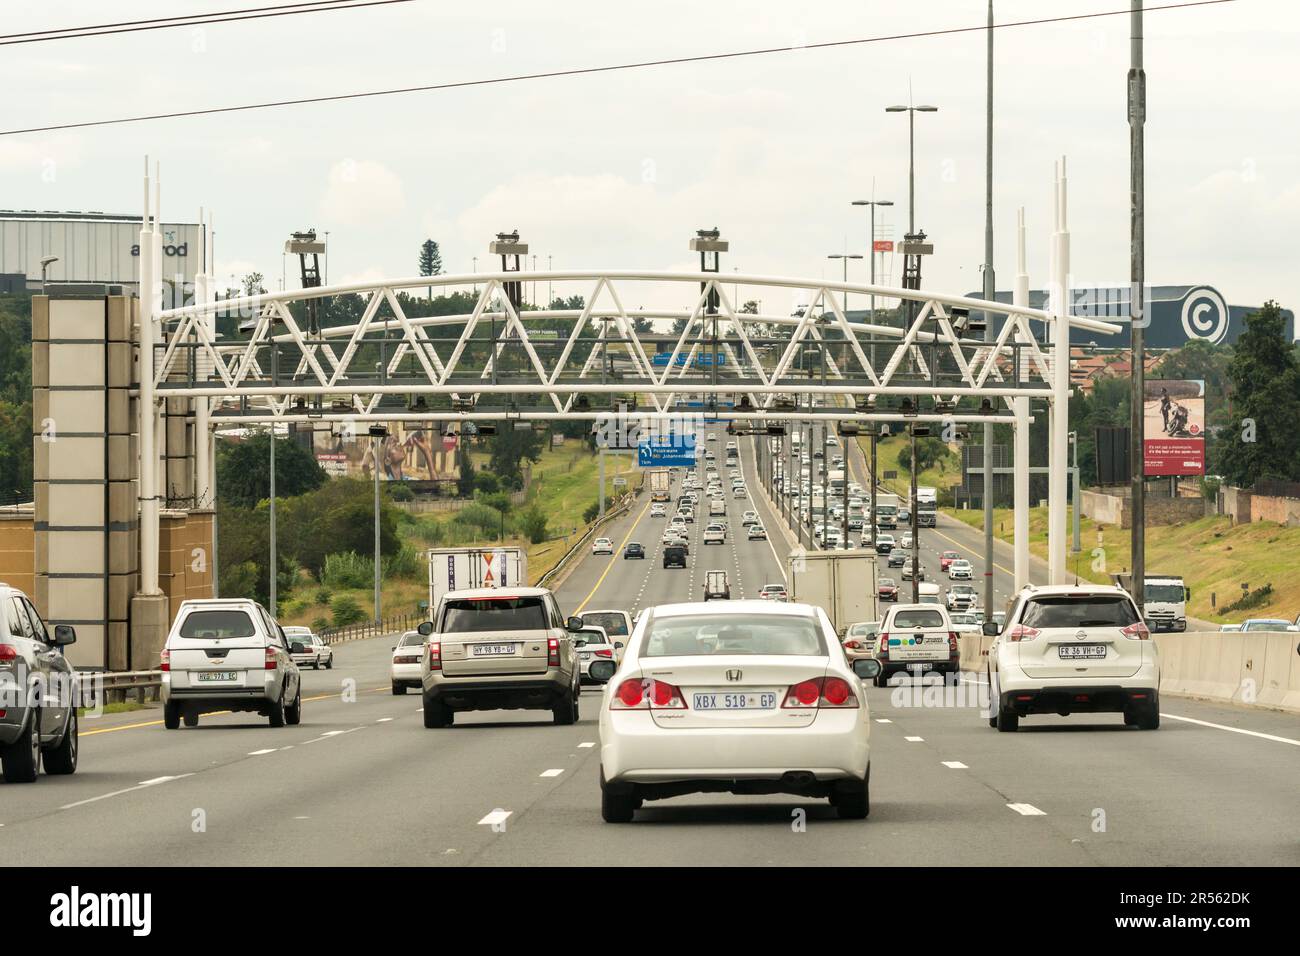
(413, 451)
(1173, 432)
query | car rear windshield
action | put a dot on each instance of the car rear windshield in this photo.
(1100, 610)
(615, 625)
(703, 635)
(216, 625)
(1164, 593)
(493, 614)
(917, 618)
(412, 639)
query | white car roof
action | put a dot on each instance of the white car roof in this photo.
(717, 608)
(495, 592)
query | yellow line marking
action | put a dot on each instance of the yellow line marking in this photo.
(213, 713)
(612, 558)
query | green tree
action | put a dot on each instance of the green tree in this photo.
(253, 284)
(532, 523)
(430, 259)
(1262, 440)
(244, 470)
(508, 449)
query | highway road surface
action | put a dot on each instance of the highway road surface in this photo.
(362, 782)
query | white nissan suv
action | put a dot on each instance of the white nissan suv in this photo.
(1073, 649)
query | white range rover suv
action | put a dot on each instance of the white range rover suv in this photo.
(1073, 649)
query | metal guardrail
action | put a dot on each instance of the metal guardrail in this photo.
(620, 509)
(114, 687)
(361, 631)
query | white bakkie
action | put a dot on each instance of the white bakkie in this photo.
(747, 697)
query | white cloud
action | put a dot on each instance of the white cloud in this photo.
(361, 191)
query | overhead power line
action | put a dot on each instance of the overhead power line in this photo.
(192, 20)
(590, 70)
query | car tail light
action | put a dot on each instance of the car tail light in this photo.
(165, 657)
(553, 652)
(639, 693)
(952, 643)
(820, 692)
(435, 655)
(1022, 632)
(884, 644)
(10, 653)
(604, 653)
(853, 645)
(1137, 631)
(269, 659)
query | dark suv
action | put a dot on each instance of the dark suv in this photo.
(634, 549)
(674, 556)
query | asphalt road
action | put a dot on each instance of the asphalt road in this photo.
(361, 781)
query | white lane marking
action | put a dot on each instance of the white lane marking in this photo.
(883, 720)
(383, 720)
(914, 740)
(258, 753)
(496, 816)
(587, 743)
(955, 765)
(333, 733)
(551, 773)
(1026, 810)
(1235, 730)
(117, 793)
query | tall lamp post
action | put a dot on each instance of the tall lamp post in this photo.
(911, 112)
(844, 257)
(275, 559)
(377, 435)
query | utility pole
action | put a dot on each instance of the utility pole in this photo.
(378, 434)
(990, 291)
(275, 558)
(1137, 107)
(911, 514)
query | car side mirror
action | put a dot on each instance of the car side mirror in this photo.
(618, 644)
(573, 624)
(64, 634)
(602, 670)
(425, 628)
(990, 629)
(866, 667)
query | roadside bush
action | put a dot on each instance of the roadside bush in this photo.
(406, 563)
(322, 595)
(399, 491)
(532, 523)
(319, 624)
(346, 610)
(347, 569)
(486, 482)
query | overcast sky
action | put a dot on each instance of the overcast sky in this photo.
(618, 170)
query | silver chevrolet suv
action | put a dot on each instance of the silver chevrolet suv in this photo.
(38, 713)
(229, 654)
(500, 648)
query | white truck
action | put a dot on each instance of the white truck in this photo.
(452, 569)
(887, 510)
(926, 507)
(1164, 600)
(843, 583)
(660, 484)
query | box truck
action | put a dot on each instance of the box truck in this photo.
(660, 484)
(887, 510)
(453, 569)
(1164, 600)
(843, 583)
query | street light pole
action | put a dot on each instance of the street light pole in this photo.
(1137, 105)
(990, 291)
(377, 435)
(275, 558)
(911, 112)
(872, 204)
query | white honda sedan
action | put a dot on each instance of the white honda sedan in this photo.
(747, 697)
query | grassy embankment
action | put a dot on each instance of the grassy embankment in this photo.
(564, 483)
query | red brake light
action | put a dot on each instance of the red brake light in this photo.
(435, 655)
(952, 642)
(553, 652)
(604, 653)
(821, 692)
(630, 693)
(1022, 632)
(853, 644)
(664, 695)
(165, 657)
(269, 659)
(1137, 631)
(884, 644)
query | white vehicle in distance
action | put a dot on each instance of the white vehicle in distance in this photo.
(593, 645)
(746, 697)
(749, 517)
(602, 546)
(315, 653)
(884, 543)
(774, 592)
(739, 492)
(1070, 649)
(617, 624)
(756, 533)
(964, 622)
(657, 510)
(916, 638)
(405, 669)
(960, 570)
(715, 534)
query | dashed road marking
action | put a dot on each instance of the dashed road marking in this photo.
(258, 753)
(914, 740)
(955, 765)
(116, 793)
(551, 773)
(495, 817)
(1026, 809)
(1234, 730)
(883, 720)
(587, 743)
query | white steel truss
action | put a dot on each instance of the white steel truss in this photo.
(542, 363)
